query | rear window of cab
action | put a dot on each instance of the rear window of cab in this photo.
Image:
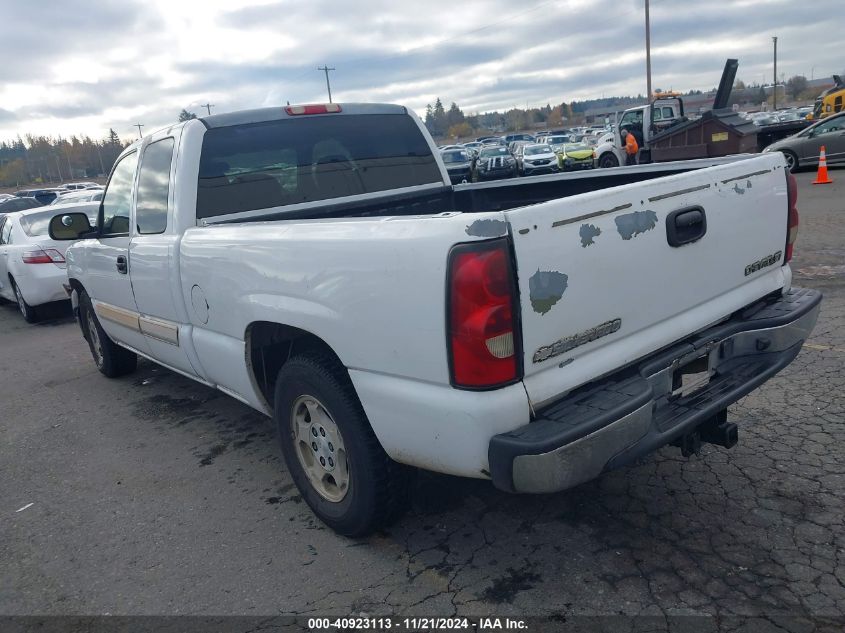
(307, 159)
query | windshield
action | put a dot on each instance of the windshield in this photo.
(537, 149)
(455, 157)
(489, 152)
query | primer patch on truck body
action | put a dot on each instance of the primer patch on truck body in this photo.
(545, 289)
(587, 233)
(632, 224)
(487, 228)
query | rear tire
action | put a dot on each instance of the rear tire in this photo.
(111, 359)
(30, 314)
(791, 160)
(319, 417)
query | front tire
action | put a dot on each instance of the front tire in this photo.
(29, 313)
(111, 359)
(607, 160)
(335, 459)
(791, 160)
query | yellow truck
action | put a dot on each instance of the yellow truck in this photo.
(830, 101)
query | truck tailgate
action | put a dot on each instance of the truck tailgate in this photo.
(606, 278)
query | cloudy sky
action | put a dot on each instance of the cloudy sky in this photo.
(83, 66)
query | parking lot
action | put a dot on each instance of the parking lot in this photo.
(152, 494)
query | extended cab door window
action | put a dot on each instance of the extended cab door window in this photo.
(117, 200)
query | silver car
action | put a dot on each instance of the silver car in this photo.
(803, 149)
(536, 159)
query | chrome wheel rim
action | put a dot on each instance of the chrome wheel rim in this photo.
(21, 303)
(320, 449)
(790, 161)
(94, 337)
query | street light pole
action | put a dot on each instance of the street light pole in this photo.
(647, 53)
(775, 87)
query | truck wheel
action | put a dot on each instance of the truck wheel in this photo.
(608, 159)
(111, 359)
(791, 159)
(28, 312)
(332, 454)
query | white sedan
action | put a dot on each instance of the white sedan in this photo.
(32, 266)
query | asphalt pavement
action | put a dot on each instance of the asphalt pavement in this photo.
(152, 494)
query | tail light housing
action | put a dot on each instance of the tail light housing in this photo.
(43, 256)
(483, 326)
(313, 108)
(792, 218)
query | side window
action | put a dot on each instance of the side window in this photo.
(2, 230)
(117, 199)
(154, 187)
(668, 113)
(658, 114)
(6, 232)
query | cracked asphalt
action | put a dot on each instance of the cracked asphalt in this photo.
(155, 495)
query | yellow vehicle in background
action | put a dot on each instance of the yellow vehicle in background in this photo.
(830, 101)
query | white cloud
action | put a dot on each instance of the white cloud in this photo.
(112, 63)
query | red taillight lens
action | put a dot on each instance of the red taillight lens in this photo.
(313, 108)
(47, 256)
(482, 324)
(792, 218)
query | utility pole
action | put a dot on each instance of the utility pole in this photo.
(139, 126)
(208, 107)
(326, 70)
(775, 87)
(647, 53)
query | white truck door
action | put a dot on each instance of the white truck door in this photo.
(153, 253)
(107, 259)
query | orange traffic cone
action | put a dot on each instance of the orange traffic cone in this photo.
(821, 176)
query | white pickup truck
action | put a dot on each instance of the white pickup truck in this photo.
(315, 263)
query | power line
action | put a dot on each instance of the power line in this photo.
(326, 69)
(139, 126)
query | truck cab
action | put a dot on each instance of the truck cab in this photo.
(644, 122)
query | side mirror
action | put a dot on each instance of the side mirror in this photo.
(69, 226)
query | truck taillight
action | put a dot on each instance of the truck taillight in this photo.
(482, 316)
(46, 256)
(792, 217)
(313, 108)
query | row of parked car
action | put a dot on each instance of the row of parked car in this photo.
(778, 116)
(548, 152)
(32, 266)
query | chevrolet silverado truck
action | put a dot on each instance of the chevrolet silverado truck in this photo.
(316, 263)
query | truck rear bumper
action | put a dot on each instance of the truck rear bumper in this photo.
(608, 424)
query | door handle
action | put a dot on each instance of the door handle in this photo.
(122, 265)
(685, 226)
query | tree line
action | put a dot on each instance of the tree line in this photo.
(45, 160)
(454, 123)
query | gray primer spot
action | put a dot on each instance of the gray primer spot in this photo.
(739, 189)
(487, 228)
(587, 233)
(632, 224)
(545, 289)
